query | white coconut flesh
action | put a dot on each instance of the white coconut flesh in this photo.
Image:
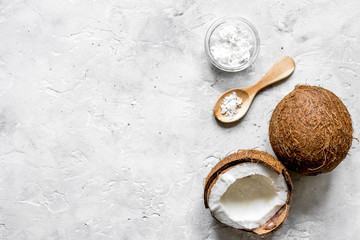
(247, 195)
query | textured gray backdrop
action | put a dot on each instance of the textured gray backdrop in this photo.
(106, 124)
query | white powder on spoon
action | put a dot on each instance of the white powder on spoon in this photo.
(230, 105)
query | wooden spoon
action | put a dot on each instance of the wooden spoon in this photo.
(282, 69)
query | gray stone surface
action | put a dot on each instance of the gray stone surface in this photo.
(106, 124)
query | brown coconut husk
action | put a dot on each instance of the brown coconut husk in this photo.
(255, 157)
(311, 130)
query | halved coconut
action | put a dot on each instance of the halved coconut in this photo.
(249, 190)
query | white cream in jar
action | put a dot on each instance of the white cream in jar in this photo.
(231, 44)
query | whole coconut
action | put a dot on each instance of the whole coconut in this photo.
(311, 130)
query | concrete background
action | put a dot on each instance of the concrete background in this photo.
(106, 124)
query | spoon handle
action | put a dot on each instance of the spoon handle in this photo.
(282, 68)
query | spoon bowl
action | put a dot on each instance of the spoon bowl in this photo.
(282, 69)
(240, 111)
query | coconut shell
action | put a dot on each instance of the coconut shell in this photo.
(310, 130)
(255, 157)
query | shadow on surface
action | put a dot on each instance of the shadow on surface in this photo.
(223, 232)
(309, 192)
(223, 81)
(228, 125)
